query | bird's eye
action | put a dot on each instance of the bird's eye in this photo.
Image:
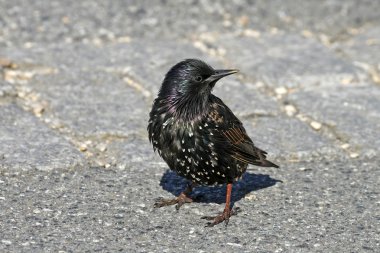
(198, 79)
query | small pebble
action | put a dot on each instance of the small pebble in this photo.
(316, 125)
(251, 33)
(354, 155)
(83, 147)
(234, 244)
(290, 110)
(281, 90)
(347, 80)
(6, 242)
(250, 197)
(38, 109)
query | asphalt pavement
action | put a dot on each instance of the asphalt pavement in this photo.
(77, 80)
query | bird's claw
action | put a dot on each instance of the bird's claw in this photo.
(178, 201)
(225, 216)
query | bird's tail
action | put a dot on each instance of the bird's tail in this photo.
(267, 163)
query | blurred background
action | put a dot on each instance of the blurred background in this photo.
(77, 79)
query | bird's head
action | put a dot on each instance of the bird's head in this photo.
(187, 86)
(192, 78)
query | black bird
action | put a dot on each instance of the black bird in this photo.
(198, 136)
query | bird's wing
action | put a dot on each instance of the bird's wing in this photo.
(243, 148)
(232, 136)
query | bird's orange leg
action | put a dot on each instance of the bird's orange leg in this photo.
(227, 213)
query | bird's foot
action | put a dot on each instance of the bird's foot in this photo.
(225, 216)
(178, 201)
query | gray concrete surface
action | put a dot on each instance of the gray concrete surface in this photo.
(77, 79)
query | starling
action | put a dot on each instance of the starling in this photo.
(198, 136)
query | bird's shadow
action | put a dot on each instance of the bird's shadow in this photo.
(175, 184)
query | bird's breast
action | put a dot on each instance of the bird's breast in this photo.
(190, 149)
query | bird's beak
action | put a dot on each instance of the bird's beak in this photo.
(220, 73)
